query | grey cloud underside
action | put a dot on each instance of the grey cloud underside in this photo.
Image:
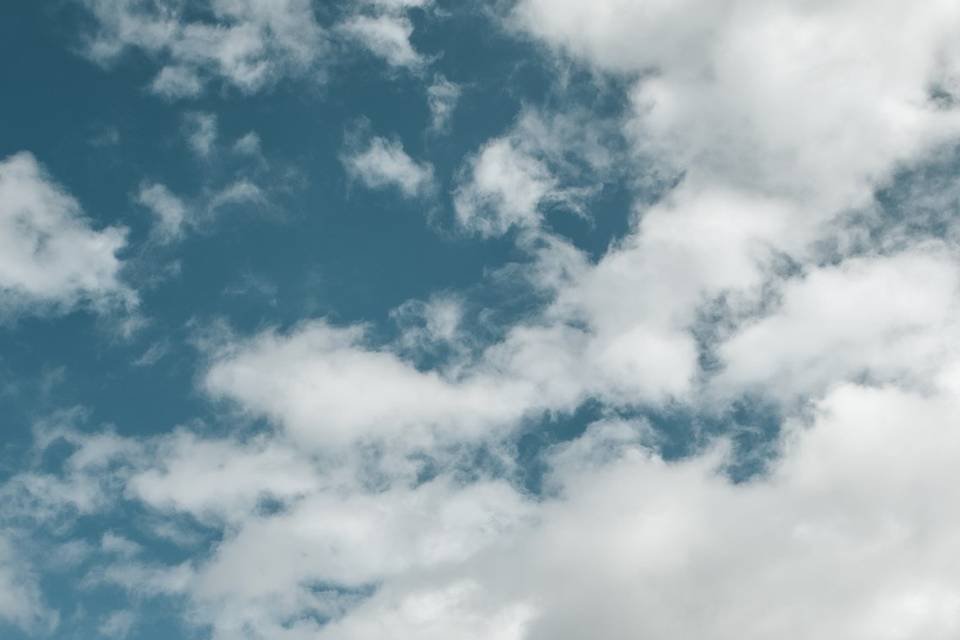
(779, 268)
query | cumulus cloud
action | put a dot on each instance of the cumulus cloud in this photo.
(220, 480)
(726, 87)
(638, 547)
(383, 163)
(889, 318)
(52, 257)
(383, 28)
(624, 542)
(318, 373)
(240, 192)
(380, 494)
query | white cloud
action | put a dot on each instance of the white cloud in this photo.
(154, 353)
(442, 98)
(312, 380)
(169, 210)
(177, 82)
(427, 325)
(237, 193)
(118, 624)
(727, 89)
(843, 537)
(247, 44)
(397, 5)
(384, 163)
(219, 479)
(460, 609)
(21, 602)
(844, 534)
(619, 330)
(85, 483)
(201, 132)
(51, 257)
(889, 317)
(174, 217)
(248, 144)
(386, 36)
(360, 510)
(504, 188)
(376, 536)
(544, 160)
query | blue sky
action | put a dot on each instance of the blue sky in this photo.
(508, 320)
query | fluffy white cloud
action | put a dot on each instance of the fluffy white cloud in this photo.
(816, 100)
(460, 608)
(888, 317)
(386, 36)
(51, 257)
(328, 387)
(427, 325)
(177, 82)
(844, 533)
(220, 480)
(360, 511)
(348, 541)
(545, 160)
(620, 330)
(384, 163)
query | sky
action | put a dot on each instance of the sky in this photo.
(486, 320)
